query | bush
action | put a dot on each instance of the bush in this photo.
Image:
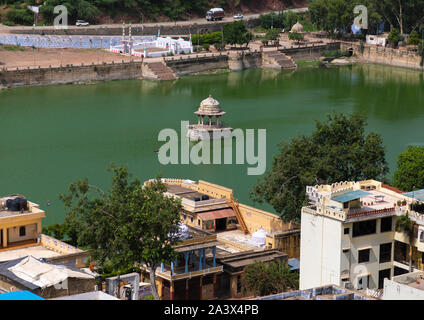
(394, 36)
(296, 36)
(206, 46)
(209, 38)
(19, 16)
(218, 46)
(414, 38)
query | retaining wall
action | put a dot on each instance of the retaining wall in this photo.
(310, 52)
(70, 74)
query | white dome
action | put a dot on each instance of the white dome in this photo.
(258, 238)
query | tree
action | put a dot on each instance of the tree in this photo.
(236, 33)
(295, 36)
(410, 169)
(290, 19)
(127, 225)
(338, 150)
(394, 36)
(406, 225)
(265, 279)
(56, 230)
(272, 35)
(414, 38)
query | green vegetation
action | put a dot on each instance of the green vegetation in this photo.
(338, 150)
(296, 36)
(394, 36)
(334, 54)
(336, 16)
(414, 38)
(207, 38)
(410, 169)
(308, 63)
(272, 35)
(19, 16)
(236, 33)
(12, 48)
(126, 225)
(284, 20)
(265, 279)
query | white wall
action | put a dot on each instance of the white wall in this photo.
(320, 251)
(396, 291)
(30, 233)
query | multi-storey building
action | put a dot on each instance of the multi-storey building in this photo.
(348, 235)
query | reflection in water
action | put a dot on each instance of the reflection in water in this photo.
(50, 136)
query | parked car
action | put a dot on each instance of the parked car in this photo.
(82, 23)
(238, 16)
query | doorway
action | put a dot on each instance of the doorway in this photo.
(221, 224)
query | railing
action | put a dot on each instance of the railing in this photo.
(57, 245)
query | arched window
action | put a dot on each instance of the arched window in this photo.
(22, 231)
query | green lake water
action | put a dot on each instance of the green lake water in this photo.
(53, 135)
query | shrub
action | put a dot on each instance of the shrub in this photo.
(206, 46)
(414, 38)
(394, 36)
(19, 16)
(296, 36)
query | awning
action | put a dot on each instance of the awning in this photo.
(364, 248)
(216, 214)
(349, 196)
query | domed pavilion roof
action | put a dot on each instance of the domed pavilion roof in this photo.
(297, 27)
(209, 106)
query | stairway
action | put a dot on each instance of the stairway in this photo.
(234, 205)
(277, 59)
(160, 71)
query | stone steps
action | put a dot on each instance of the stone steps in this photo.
(161, 71)
(278, 59)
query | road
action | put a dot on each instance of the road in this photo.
(156, 24)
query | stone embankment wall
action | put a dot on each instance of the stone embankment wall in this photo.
(309, 52)
(183, 65)
(70, 74)
(136, 29)
(381, 55)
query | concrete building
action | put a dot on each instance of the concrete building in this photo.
(235, 266)
(44, 279)
(213, 208)
(193, 275)
(408, 286)
(328, 292)
(348, 235)
(378, 40)
(20, 221)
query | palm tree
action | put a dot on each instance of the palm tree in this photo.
(406, 225)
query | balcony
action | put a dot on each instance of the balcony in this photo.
(193, 271)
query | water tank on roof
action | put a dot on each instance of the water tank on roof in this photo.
(196, 199)
(17, 204)
(258, 238)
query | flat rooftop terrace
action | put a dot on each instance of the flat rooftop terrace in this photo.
(27, 249)
(185, 192)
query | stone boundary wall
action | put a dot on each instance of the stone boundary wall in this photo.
(386, 56)
(184, 65)
(70, 74)
(309, 52)
(136, 30)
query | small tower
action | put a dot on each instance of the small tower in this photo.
(206, 128)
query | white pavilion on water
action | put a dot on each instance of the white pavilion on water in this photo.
(206, 128)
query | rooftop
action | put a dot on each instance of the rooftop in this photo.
(413, 279)
(328, 292)
(30, 248)
(20, 295)
(31, 208)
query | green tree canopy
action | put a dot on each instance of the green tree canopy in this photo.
(414, 38)
(410, 169)
(236, 33)
(127, 224)
(296, 36)
(338, 150)
(265, 279)
(272, 35)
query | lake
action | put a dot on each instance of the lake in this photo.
(53, 135)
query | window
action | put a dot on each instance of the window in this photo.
(386, 224)
(184, 216)
(381, 275)
(198, 222)
(22, 231)
(191, 219)
(364, 227)
(385, 252)
(364, 255)
(345, 205)
(346, 230)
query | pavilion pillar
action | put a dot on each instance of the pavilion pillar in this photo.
(172, 268)
(198, 119)
(214, 255)
(204, 257)
(4, 237)
(161, 267)
(200, 259)
(186, 293)
(217, 120)
(214, 285)
(171, 290)
(210, 120)
(186, 261)
(201, 287)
